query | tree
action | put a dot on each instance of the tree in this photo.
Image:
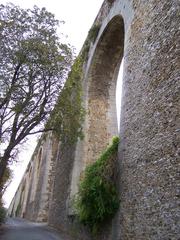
(6, 180)
(34, 65)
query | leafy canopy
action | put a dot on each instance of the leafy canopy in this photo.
(34, 65)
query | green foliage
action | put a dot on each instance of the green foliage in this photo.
(85, 50)
(68, 114)
(6, 180)
(92, 35)
(3, 185)
(2, 213)
(97, 199)
(93, 32)
(6, 176)
(33, 69)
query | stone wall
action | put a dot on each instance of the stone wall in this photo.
(148, 153)
(149, 125)
(32, 198)
(145, 34)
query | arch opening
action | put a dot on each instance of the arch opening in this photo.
(102, 80)
(119, 93)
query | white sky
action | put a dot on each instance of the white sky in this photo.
(79, 16)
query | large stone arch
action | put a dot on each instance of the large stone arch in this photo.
(114, 18)
(149, 127)
(101, 119)
(99, 94)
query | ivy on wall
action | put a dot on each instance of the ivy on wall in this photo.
(92, 35)
(68, 114)
(97, 199)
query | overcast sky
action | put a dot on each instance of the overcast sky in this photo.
(79, 16)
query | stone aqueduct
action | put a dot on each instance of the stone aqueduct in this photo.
(145, 34)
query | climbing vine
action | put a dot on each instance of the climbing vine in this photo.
(68, 114)
(97, 199)
(92, 35)
(93, 32)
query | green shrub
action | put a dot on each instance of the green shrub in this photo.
(2, 214)
(97, 199)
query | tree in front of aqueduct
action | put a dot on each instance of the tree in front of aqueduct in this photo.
(34, 65)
